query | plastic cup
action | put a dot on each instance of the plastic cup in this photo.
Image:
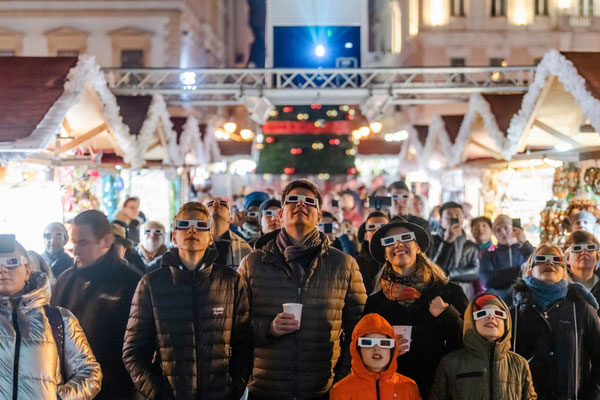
(295, 309)
(405, 331)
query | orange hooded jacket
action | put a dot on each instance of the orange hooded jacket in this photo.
(362, 384)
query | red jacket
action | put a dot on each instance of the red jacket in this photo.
(362, 384)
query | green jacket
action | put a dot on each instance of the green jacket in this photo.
(464, 373)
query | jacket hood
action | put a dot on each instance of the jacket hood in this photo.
(266, 238)
(477, 344)
(38, 292)
(372, 323)
(171, 259)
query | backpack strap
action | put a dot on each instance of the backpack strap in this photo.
(58, 331)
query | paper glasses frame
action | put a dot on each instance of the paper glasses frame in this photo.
(308, 200)
(477, 315)
(402, 237)
(384, 343)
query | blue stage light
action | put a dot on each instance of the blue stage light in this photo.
(348, 45)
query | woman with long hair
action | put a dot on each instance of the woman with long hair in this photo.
(556, 328)
(413, 294)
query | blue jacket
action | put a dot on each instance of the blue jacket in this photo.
(501, 267)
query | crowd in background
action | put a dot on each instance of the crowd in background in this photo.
(301, 296)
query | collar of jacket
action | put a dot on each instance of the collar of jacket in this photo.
(143, 253)
(271, 254)
(576, 292)
(37, 295)
(104, 267)
(180, 273)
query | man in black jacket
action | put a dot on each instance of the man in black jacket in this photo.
(452, 251)
(300, 358)
(369, 267)
(55, 239)
(193, 314)
(99, 292)
(401, 204)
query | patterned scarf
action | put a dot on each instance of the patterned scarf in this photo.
(402, 289)
(293, 253)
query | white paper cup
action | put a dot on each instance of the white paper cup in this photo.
(405, 331)
(295, 309)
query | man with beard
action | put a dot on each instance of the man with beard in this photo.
(300, 355)
(55, 239)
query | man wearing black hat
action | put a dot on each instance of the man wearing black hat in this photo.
(452, 251)
(401, 204)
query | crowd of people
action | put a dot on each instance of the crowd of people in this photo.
(300, 297)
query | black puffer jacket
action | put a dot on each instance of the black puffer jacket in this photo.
(432, 337)
(501, 267)
(560, 344)
(303, 364)
(459, 259)
(198, 325)
(368, 267)
(100, 297)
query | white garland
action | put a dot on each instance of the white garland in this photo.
(212, 150)
(553, 63)
(191, 141)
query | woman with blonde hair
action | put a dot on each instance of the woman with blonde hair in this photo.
(412, 292)
(556, 328)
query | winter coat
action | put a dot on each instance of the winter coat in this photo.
(161, 250)
(595, 290)
(58, 263)
(500, 268)
(302, 364)
(562, 344)
(368, 267)
(100, 297)
(29, 354)
(362, 384)
(197, 323)
(432, 337)
(464, 374)
(458, 259)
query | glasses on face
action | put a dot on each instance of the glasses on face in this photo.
(384, 343)
(578, 248)
(252, 214)
(48, 235)
(270, 213)
(12, 262)
(183, 224)
(542, 258)
(295, 198)
(489, 311)
(155, 231)
(220, 202)
(403, 237)
(397, 197)
(374, 227)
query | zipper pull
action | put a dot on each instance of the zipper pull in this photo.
(299, 291)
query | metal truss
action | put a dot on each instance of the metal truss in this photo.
(324, 86)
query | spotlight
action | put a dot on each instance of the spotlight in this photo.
(320, 50)
(246, 134)
(230, 127)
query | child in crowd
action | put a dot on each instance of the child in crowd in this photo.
(374, 373)
(465, 373)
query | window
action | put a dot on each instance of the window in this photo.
(541, 7)
(586, 8)
(11, 42)
(67, 53)
(7, 53)
(458, 62)
(132, 58)
(457, 8)
(498, 8)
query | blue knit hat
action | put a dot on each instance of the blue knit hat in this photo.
(254, 199)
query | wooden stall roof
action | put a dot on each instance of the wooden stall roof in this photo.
(378, 147)
(134, 110)
(503, 107)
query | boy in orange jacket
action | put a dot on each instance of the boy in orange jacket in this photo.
(374, 375)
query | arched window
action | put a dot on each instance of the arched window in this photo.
(541, 7)
(457, 8)
(498, 8)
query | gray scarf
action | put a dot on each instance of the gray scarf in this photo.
(293, 253)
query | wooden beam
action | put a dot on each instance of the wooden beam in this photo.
(153, 145)
(67, 126)
(482, 146)
(115, 143)
(559, 135)
(83, 138)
